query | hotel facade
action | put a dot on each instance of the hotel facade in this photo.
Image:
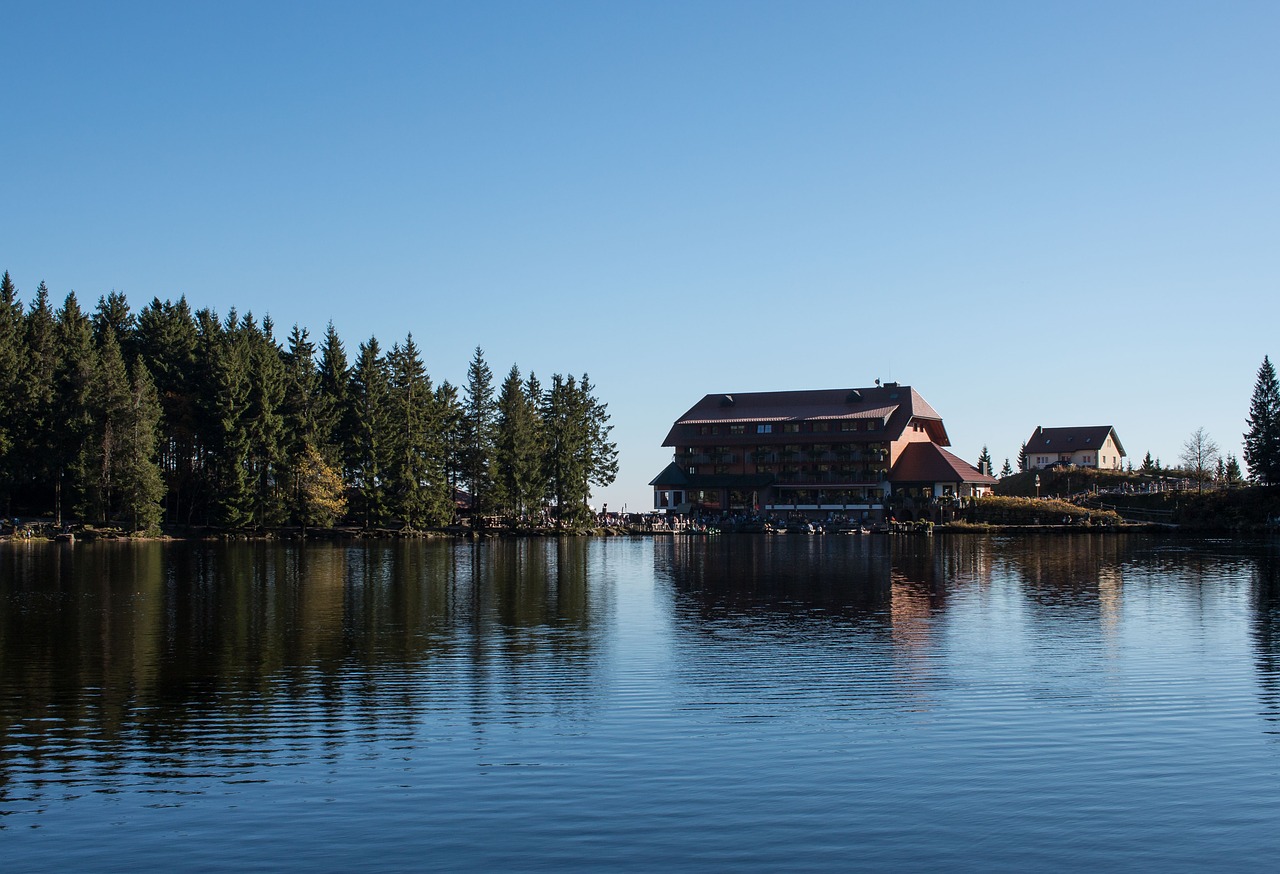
(816, 452)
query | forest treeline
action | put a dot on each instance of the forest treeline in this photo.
(172, 415)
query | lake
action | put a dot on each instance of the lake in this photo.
(679, 703)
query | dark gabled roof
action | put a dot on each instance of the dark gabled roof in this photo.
(896, 404)
(675, 476)
(929, 463)
(1072, 439)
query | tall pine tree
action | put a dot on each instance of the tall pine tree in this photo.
(518, 449)
(74, 414)
(370, 404)
(142, 486)
(1262, 440)
(478, 421)
(11, 355)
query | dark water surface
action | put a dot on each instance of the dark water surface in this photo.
(745, 703)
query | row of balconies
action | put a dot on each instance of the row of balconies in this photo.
(687, 458)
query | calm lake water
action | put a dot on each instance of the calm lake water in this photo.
(742, 702)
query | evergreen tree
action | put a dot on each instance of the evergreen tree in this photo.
(1233, 474)
(113, 315)
(36, 414)
(449, 422)
(1262, 440)
(602, 453)
(478, 421)
(578, 451)
(1148, 464)
(984, 462)
(518, 450)
(370, 401)
(266, 423)
(415, 470)
(230, 353)
(141, 483)
(1023, 464)
(539, 489)
(333, 408)
(112, 408)
(299, 411)
(73, 410)
(1007, 470)
(11, 355)
(170, 342)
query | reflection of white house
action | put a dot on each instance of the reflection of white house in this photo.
(1095, 446)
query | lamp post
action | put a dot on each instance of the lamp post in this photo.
(1037, 487)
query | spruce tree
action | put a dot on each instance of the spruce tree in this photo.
(538, 490)
(518, 450)
(1262, 440)
(984, 462)
(1233, 473)
(602, 453)
(1148, 463)
(449, 423)
(415, 471)
(578, 454)
(1023, 464)
(169, 340)
(370, 401)
(36, 413)
(230, 352)
(266, 423)
(11, 355)
(333, 409)
(74, 413)
(113, 315)
(299, 411)
(566, 437)
(1007, 470)
(111, 404)
(478, 420)
(141, 483)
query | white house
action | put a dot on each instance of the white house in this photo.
(1096, 446)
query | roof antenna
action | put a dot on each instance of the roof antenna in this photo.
(877, 382)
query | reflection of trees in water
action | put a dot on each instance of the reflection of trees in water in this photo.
(153, 648)
(1266, 633)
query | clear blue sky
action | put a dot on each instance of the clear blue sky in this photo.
(1035, 213)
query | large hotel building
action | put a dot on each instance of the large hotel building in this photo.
(849, 450)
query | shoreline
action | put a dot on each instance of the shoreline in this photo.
(293, 535)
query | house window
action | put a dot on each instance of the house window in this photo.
(873, 425)
(764, 429)
(791, 427)
(822, 426)
(692, 469)
(708, 429)
(737, 429)
(848, 426)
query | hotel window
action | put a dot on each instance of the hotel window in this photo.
(848, 426)
(737, 429)
(764, 429)
(822, 426)
(708, 429)
(791, 428)
(873, 425)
